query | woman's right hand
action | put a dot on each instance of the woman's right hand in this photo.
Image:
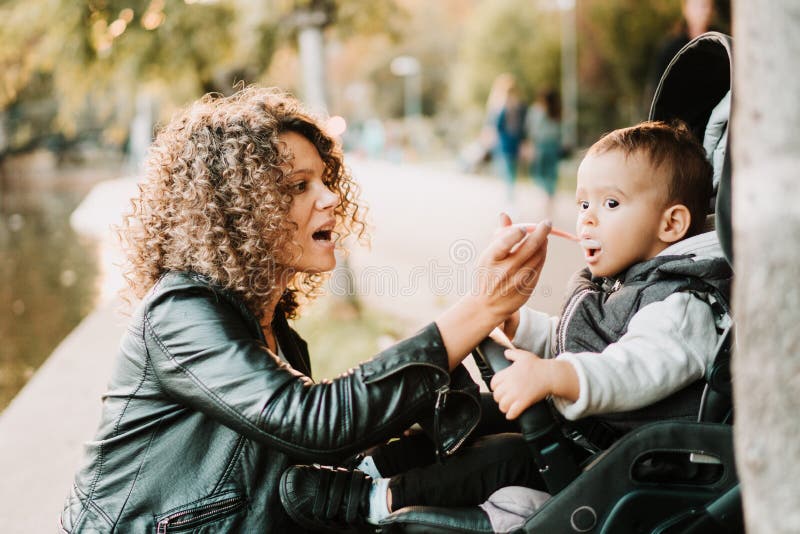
(509, 268)
(505, 276)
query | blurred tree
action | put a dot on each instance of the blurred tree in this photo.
(507, 36)
(98, 54)
(617, 43)
(429, 32)
(617, 40)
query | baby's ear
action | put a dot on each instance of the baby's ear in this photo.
(675, 222)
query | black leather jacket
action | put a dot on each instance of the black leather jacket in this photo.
(199, 420)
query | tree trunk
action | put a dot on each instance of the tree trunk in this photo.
(766, 217)
(311, 43)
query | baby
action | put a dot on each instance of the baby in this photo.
(645, 303)
(639, 327)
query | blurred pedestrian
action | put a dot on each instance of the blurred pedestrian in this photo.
(543, 129)
(697, 18)
(507, 115)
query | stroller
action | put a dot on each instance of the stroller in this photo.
(616, 492)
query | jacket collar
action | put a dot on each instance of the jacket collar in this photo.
(280, 326)
(289, 346)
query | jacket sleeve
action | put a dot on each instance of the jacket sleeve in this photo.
(205, 357)
(536, 332)
(668, 346)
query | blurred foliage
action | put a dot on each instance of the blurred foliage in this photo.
(617, 42)
(97, 55)
(431, 33)
(100, 52)
(618, 45)
(507, 36)
(339, 338)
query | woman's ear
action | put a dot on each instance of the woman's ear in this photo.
(675, 223)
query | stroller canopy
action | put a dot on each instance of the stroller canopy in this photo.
(695, 88)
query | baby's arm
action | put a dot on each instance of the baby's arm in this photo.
(531, 330)
(668, 346)
(530, 379)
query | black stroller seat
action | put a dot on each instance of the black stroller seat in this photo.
(667, 477)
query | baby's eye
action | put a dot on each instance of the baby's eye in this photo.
(611, 203)
(583, 204)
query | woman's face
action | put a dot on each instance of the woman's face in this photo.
(312, 207)
(698, 13)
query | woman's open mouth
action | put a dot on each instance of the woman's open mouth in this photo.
(322, 235)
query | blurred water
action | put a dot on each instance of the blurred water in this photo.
(47, 272)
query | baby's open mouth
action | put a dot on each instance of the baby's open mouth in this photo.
(591, 247)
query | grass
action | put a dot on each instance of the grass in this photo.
(339, 337)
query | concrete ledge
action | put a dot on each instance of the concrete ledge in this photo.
(42, 430)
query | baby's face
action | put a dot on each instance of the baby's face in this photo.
(620, 206)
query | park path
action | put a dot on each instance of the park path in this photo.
(427, 223)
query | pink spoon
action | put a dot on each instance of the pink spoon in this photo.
(530, 227)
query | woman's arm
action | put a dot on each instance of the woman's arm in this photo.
(206, 358)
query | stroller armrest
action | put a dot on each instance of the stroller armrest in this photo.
(551, 450)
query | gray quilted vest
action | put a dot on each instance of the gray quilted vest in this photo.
(599, 310)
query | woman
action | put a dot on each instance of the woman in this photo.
(243, 202)
(508, 119)
(543, 126)
(698, 17)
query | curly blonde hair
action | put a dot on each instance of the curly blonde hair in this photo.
(215, 199)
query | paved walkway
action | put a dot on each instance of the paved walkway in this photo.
(427, 225)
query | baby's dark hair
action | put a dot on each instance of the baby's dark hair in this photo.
(673, 148)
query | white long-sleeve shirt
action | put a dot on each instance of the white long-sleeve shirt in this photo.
(668, 345)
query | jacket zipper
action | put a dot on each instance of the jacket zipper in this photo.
(444, 391)
(569, 311)
(457, 445)
(198, 514)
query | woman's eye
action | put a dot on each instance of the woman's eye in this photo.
(611, 203)
(299, 187)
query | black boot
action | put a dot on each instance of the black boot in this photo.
(331, 499)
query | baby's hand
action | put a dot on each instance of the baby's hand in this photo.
(522, 384)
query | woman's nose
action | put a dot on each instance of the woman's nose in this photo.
(327, 199)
